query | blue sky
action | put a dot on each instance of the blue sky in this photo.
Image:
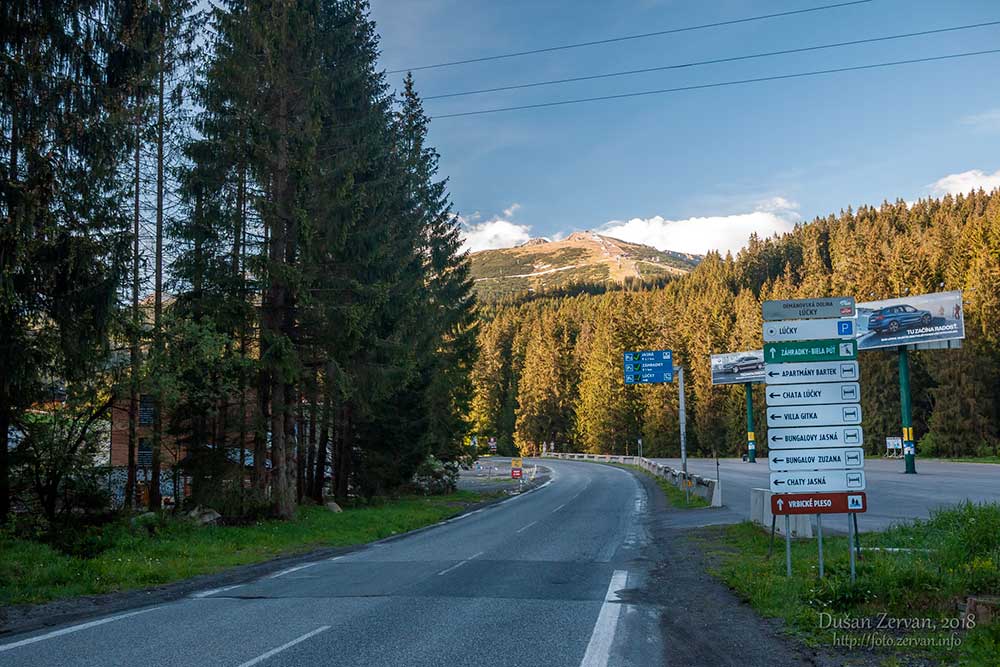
(701, 169)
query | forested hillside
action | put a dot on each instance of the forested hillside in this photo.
(550, 369)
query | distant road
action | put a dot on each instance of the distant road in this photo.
(892, 496)
(535, 579)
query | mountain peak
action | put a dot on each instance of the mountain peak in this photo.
(582, 257)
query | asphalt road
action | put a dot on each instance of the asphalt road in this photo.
(892, 496)
(535, 579)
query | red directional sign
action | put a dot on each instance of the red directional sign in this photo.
(515, 473)
(818, 503)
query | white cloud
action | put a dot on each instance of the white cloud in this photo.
(965, 182)
(725, 233)
(987, 120)
(498, 232)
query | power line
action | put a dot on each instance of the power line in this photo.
(714, 61)
(720, 84)
(625, 38)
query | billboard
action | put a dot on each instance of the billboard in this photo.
(924, 318)
(738, 367)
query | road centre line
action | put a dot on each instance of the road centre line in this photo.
(292, 569)
(526, 526)
(459, 564)
(274, 651)
(559, 508)
(74, 628)
(599, 649)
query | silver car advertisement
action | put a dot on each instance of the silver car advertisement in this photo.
(924, 318)
(738, 367)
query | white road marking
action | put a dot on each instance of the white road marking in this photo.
(599, 649)
(274, 651)
(559, 508)
(526, 527)
(292, 569)
(334, 558)
(213, 591)
(459, 564)
(74, 628)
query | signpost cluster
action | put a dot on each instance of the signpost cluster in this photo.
(815, 436)
(657, 367)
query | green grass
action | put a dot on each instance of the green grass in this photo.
(31, 572)
(674, 495)
(953, 555)
(969, 459)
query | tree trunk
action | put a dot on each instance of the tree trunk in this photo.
(134, 362)
(239, 247)
(300, 441)
(154, 485)
(278, 321)
(342, 461)
(4, 462)
(310, 471)
(319, 476)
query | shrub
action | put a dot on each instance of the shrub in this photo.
(435, 477)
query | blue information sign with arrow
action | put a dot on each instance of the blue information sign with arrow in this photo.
(648, 366)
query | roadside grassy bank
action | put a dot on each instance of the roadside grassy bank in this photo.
(674, 495)
(129, 558)
(905, 602)
(971, 459)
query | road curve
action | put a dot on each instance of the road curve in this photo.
(536, 578)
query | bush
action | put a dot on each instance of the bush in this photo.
(435, 477)
(84, 541)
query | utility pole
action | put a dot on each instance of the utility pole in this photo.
(909, 450)
(751, 436)
(683, 420)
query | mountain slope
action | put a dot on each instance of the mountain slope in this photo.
(583, 257)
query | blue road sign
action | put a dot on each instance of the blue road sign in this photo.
(650, 355)
(648, 367)
(653, 377)
(845, 328)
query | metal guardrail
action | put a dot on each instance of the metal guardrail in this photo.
(707, 488)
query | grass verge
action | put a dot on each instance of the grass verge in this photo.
(31, 572)
(674, 495)
(954, 554)
(972, 459)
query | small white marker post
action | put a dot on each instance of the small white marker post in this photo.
(683, 419)
(819, 536)
(850, 545)
(788, 546)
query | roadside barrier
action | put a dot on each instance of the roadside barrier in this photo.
(706, 488)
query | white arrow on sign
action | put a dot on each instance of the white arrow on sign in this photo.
(795, 330)
(811, 371)
(813, 394)
(814, 415)
(816, 459)
(818, 481)
(818, 436)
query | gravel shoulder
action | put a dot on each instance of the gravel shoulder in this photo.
(703, 621)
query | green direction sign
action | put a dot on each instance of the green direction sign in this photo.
(810, 350)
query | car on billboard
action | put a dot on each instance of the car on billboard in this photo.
(738, 367)
(743, 364)
(891, 319)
